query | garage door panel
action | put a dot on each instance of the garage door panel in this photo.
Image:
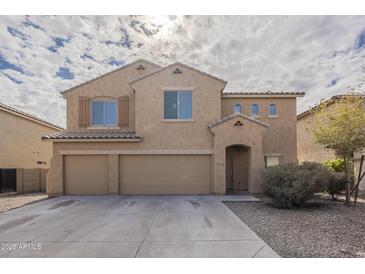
(86, 174)
(164, 174)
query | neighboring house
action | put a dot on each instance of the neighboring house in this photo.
(24, 157)
(308, 150)
(146, 129)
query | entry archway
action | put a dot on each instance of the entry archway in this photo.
(246, 132)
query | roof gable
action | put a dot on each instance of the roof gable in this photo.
(235, 115)
(178, 64)
(256, 94)
(110, 72)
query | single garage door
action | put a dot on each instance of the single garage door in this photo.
(164, 174)
(86, 174)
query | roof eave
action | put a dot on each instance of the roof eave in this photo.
(91, 140)
(263, 95)
(19, 113)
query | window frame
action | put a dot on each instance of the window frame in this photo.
(276, 110)
(104, 100)
(178, 105)
(272, 156)
(258, 110)
(237, 105)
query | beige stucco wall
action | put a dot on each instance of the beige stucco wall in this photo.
(20, 142)
(149, 110)
(308, 150)
(113, 85)
(281, 136)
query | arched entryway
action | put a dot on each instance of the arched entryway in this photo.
(243, 134)
(237, 168)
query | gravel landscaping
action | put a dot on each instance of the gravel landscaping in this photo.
(12, 201)
(321, 229)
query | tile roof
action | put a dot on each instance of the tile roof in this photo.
(234, 115)
(28, 116)
(92, 134)
(268, 93)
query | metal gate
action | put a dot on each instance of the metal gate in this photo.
(7, 180)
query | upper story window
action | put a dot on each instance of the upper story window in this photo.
(272, 111)
(237, 108)
(104, 112)
(255, 110)
(178, 105)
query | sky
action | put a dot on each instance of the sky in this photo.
(42, 55)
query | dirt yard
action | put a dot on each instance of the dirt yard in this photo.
(322, 229)
(11, 201)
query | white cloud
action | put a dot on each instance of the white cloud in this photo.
(305, 53)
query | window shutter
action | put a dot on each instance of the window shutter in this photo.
(123, 111)
(84, 111)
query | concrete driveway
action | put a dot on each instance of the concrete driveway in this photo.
(128, 226)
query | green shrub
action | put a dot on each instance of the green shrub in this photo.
(337, 183)
(292, 185)
(336, 165)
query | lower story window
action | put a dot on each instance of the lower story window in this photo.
(271, 161)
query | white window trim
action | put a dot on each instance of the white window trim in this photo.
(178, 107)
(268, 111)
(103, 126)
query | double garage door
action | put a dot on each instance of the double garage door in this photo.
(139, 174)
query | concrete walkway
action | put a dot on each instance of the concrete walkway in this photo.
(129, 226)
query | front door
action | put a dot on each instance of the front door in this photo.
(237, 168)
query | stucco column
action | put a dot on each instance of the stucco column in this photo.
(113, 172)
(219, 168)
(257, 166)
(55, 176)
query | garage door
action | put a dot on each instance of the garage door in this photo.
(86, 174)
(164, 174)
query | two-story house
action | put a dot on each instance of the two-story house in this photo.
(146, 129)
